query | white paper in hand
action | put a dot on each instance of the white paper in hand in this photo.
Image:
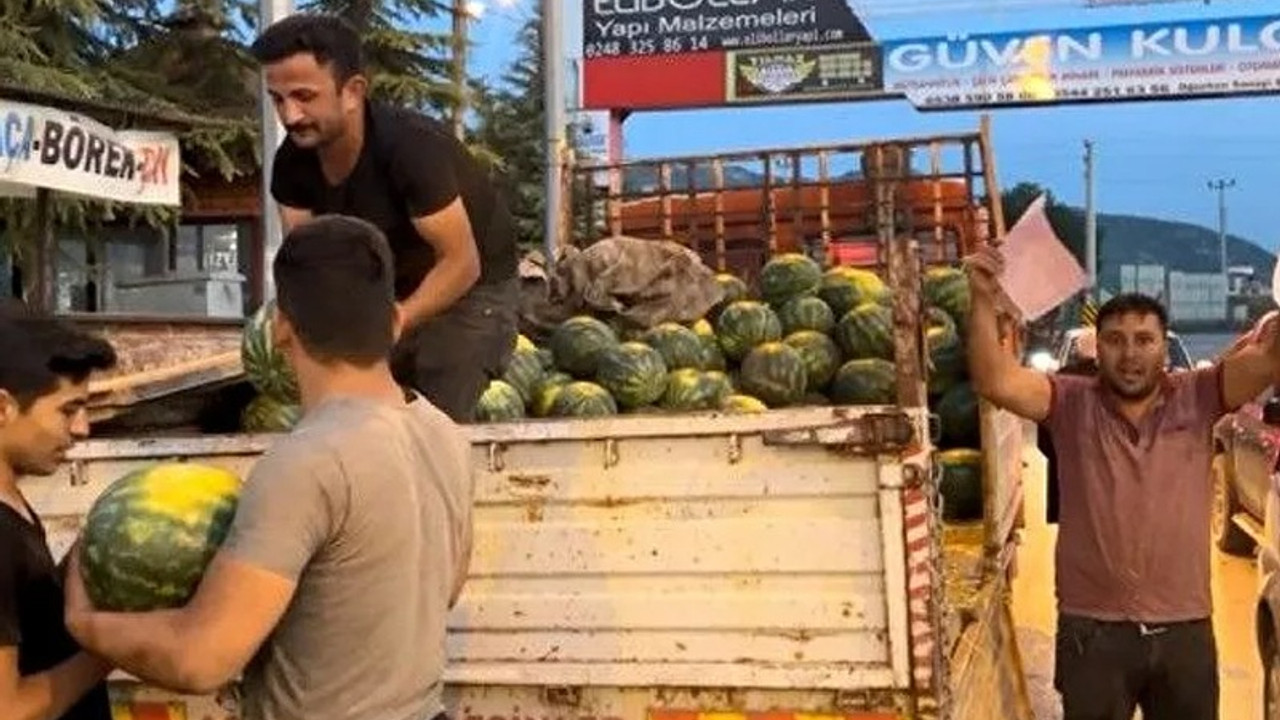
(1275, 282)
(1039, 272)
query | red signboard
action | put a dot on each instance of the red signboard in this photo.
(665, 54)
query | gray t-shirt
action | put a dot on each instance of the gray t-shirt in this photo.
(368, 507)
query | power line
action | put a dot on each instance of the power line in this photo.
(1221, 186)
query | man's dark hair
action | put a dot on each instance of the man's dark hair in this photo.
(335, 282)
(1132, 303)
(39, 351)
(330, 39)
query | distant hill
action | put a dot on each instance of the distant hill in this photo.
(1135, 240)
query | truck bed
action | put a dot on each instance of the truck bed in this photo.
(662, 556)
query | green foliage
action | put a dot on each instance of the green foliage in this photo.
(407, 67)
(512, 120)
(190, 59)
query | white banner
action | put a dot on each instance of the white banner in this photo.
(72, 153)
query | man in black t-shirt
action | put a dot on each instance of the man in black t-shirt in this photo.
(44, 371)
(450, 230)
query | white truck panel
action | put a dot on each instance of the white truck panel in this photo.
(647, 552)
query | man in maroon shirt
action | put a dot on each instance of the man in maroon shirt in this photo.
(1133, 446)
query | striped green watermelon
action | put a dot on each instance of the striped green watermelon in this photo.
(720, 383)
(577, 343)
(867, 381)
(820, 355)
(500, 402)
(264, 365)
(712, 355)
(150, 536)
(806, 313)
(634, 373)
(734, 289)
(678, 345)
(957, 412)
(938, 318)
(774, 372)
(689, 390)
(545, 394)
(948, 288)
(866, 332)
(788, 276)
(524, 373)
(743, 404)
(744, 325)
(961, 483)
(265, 414)
(583, 399)
(844, 288)
(947, 364)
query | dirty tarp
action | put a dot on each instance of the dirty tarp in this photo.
(633, 283)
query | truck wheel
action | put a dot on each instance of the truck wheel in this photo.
(1227, 536)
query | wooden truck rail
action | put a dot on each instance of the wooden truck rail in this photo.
(738, 208)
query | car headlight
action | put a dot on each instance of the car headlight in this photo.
(1043, 361)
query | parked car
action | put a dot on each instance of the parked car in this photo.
(1069, 346)
(1254, 477)
(1246, 446)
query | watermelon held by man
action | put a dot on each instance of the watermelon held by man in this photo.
(149, 538)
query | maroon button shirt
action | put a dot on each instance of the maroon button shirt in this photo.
(1133, 535)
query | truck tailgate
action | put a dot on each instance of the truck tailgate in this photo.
(763, 551)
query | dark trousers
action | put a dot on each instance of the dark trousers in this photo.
(451, 358)
(1104, 670)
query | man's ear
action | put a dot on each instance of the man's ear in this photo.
(9, 409)
(282, 333)
(354, 91)
(398, 319)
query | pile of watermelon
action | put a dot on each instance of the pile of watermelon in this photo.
(275, 406)
(807, 336)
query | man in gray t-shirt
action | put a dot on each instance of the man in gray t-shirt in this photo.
(353, 533)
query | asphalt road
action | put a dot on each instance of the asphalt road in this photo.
(1234, 592)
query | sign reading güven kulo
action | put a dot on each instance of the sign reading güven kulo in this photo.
(617, 28)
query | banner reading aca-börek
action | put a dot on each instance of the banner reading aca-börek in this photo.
(68, 152)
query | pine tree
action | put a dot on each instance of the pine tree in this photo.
(407, 67)
(511, 121)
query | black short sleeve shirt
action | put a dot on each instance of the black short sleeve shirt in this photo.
(410, 166)
(31, 608)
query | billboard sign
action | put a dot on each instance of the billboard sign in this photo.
(779, 75)
(615, 28)
(667, 54)
(1150, 61)
(651, 54)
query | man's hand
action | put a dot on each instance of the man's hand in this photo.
(984, 268)
(78, 608)
(995, 373)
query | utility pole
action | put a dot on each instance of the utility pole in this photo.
(1090, 222)
(553, 54)
(269, 11)
(458, 67)
(1221, 186)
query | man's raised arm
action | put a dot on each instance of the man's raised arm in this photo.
(995, 373)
